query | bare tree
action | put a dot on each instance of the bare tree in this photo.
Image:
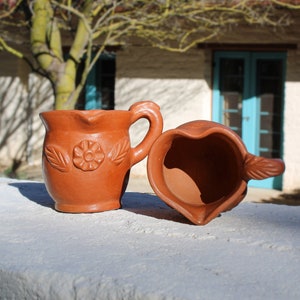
(91, 26)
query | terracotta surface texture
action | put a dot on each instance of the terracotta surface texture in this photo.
(202, 168)
(87, 155)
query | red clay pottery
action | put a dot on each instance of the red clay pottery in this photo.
(87, 155)
(201, 169)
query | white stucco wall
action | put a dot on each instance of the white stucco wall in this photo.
(291, 128)
(180, 100)
(14, 113)
(182, 93)
(22, 96)
(291, 145)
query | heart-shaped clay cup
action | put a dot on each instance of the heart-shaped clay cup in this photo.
(202, 168)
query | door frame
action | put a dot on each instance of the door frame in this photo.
(251, 107)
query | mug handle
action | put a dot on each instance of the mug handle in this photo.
(150, 111)
(257, 167)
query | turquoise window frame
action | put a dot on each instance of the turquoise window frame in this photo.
(251, 103)
(93, 97)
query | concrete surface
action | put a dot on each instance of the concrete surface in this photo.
(142, 185)
(145, 250)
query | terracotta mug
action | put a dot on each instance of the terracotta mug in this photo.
(202, 168)
(87, 155)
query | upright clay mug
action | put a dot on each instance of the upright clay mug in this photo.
(87, 155)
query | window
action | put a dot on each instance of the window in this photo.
(99, 90)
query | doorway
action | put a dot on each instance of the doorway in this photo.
(99, 89)
(248, 97)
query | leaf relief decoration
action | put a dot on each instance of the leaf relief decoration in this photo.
(119, 151)
(57, 158)
(259, 168)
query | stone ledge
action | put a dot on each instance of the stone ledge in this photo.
(144, 251)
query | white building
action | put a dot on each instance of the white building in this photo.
(248, 79)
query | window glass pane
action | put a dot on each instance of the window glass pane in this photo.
(105, 81)
(232, 88)
(270, 91)
(99, 90)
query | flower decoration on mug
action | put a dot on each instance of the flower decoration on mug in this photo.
(88, 155)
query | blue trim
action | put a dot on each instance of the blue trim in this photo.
(273, 182)
(92, 96)
(217, 97)
(251, 103)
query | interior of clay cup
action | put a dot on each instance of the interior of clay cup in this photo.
(202, 171)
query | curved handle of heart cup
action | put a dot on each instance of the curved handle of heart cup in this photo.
(256, 167)
(150, 111)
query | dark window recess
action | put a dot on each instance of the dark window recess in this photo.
(99, 89)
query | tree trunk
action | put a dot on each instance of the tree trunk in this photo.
(65, 87)
(47, 49)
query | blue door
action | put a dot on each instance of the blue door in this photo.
(100, 84)
(98, 92)
(248, 97)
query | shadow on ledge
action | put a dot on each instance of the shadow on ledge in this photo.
(292, 199)
(139, 203)
(150, 205)
(34, 191)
